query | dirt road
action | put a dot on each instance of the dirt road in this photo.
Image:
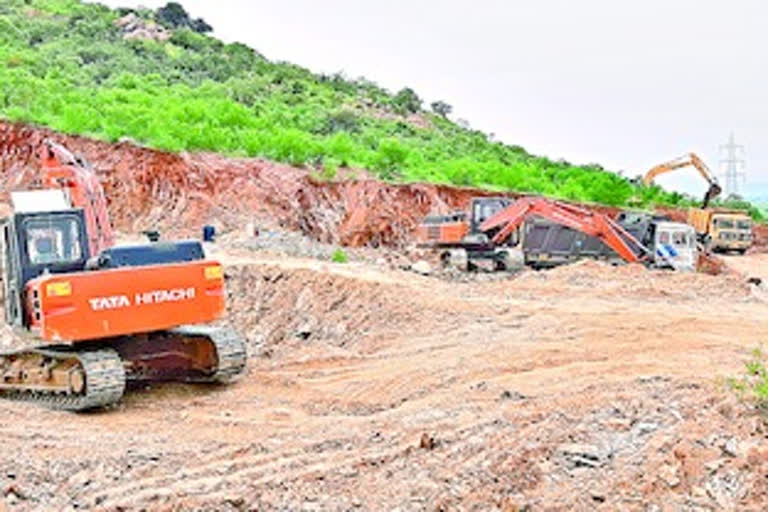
(583, 388)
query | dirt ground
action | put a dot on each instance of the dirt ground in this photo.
(587, 387)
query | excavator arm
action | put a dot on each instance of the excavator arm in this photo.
(691, 159)
(63, 170)
(595, 224)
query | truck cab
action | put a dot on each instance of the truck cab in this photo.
(722, 230)
(674, 246)
(730, 232)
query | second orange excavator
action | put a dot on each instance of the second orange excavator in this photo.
(93, 315)
(492, 229)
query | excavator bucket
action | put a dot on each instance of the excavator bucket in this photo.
(713, 191)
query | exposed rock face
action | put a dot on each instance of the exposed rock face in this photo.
(134, 27)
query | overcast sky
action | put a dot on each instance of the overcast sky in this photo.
(624, 84)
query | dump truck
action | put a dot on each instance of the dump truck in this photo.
(671, 245)
(722, 230)
(92, 315)
(548, 244)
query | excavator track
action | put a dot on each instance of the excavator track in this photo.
(78, 380)
(188, 353)
(100, 382)
(229, 347)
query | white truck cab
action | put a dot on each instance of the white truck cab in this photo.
(674, 245)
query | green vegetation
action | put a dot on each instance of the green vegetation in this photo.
(753, 386)
(339, 256)
(755, 210)
(67, 65)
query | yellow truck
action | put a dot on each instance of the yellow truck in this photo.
(722, 230)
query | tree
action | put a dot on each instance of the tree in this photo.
(441, 108)
(199, 25)
(407, 101)
(173, 15)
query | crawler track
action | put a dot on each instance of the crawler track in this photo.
(104, 381)
(229, 347)
(106, 371)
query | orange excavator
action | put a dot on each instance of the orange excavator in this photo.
(491, 229)
(691, 159)
(95, 315)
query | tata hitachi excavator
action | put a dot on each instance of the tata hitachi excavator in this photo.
(94, 315)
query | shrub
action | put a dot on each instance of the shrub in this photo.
(339, 256)
(173, 15)
(344, 120)
(441, 108)
(391, 157)
(753, 385)
(407, 101)
(330, 169)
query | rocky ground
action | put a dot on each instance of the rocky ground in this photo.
(587, 387)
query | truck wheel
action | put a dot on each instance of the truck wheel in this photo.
(741, 251)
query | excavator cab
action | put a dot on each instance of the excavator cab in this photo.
(39, 243)
(484, 208)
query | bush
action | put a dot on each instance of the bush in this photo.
(339, 256)
(753, 385)
(343, 120)
(407, 101)
(441, 108)
(173, 15)
(391, 157)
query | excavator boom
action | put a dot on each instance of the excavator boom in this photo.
(591, 223)
(62, 169)
(691, 159)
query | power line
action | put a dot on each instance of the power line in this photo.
(734, 165)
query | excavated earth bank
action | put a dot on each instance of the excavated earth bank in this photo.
(180, 193)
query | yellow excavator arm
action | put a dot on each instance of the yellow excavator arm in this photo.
(691, 159)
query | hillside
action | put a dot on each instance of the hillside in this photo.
(67, 65)
(156, 78)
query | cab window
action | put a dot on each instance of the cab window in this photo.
(52, 241)
(680, 238)
(724, 223)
